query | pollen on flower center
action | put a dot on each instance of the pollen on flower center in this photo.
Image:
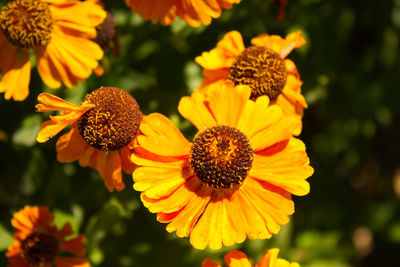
(39, 249)
(114, 120)
(221, 157)
(27, 23)
(260, 68)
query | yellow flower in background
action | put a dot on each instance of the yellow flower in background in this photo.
(236, 177)
(237, 258)
(102, 133)
(39, 243)
(58, 32)
(194, 12)
(263, 66)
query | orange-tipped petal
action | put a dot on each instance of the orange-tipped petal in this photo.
(237, 258)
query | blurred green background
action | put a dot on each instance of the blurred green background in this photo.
(351, 72)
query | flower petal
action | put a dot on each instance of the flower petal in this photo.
(285, 165)
(69, 262)
(160, 136)
(78, 18)
(113, 172)
(71, 146)
(175, 200)
(194, 110)
(224, 54)
(159, 182)
(279, 131)
(282, 46)
(227, 102)
(237, 258)
(154, 10)
(75, 245)
(184, 220)
(16, 74)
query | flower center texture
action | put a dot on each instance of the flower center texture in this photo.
(260, 68)
(105, 31)
(221, 157)
(113, 122)
(27, 23)
(39, 249)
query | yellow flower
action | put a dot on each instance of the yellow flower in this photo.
(237, 258)
(39, 243)
(194, 12)
(263, 66)
(236, 177)
(102, 134)
(59, 33)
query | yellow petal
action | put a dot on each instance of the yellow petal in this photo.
(277, 132)
(286, 166)
(161, 137)
(176, 200)
(16, 75)
(227, 102)
(50, 102)
(78, 17)
(193, 109)
(159, 182)
(224, 54)
(185, 219)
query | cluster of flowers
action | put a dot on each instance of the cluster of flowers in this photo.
(233, 180)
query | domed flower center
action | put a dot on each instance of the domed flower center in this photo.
(27, 23)
(260, 68)
(221, 157)
(39, 249)
(114, 120)
(105, 31)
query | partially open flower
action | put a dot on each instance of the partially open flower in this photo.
(39, 243)
(102, 134)
(59, 33)
(237, 258)
(262, 66)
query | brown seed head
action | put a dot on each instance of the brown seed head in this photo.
(260, 68)
(113, 122)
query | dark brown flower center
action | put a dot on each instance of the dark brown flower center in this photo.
(113, 122)
(260, 68)
(27, 23)
(105, 31)
(39, 249)
(221, 157)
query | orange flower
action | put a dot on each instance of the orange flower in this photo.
(59, 32)
(234, 180)
(39, 243)
(102, 134)
(194, 12)
(237, 258)
(263, 66)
